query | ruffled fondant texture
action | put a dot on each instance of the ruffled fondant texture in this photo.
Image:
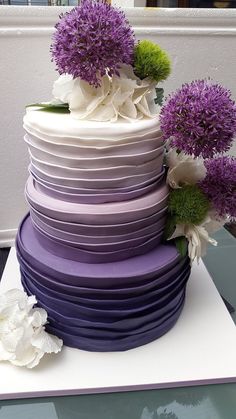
(115, 184)
(91, 249)
(87, 161)
(107, 306)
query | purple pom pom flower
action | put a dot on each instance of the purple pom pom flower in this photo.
(200, 118)
(92, 39)
(219, 185)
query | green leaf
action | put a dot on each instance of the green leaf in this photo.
(55, 110)
(169, 227)
(50, 107)
(181, 245)
(160, 95)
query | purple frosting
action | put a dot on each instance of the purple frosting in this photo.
(96, 300)
(111, 306)
(128, 271)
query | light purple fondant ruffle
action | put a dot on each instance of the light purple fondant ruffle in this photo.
(98, 196)
(126, 216)
(107, 213)
(96, 191)
(130, 181)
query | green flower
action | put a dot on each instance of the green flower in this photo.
(188, 205)
(151, 61)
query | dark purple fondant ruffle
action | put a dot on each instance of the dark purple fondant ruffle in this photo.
(112, 306)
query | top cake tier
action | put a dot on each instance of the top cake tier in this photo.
(93, 162)
(63, 129)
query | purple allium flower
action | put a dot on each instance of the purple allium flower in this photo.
(91, 39)
(219, 185)
(201, 119)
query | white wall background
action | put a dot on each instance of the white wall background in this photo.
(201, 43)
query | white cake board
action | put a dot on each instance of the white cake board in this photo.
(200, 349)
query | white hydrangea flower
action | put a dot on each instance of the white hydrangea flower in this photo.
(123, 96)
(23, 339)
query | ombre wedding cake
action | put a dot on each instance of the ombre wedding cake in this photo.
(93, 250)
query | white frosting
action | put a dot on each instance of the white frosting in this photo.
(65, 130)
(124, 96)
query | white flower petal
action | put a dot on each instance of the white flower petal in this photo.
(143, 107)
(11, 340)
(213, 242)
(38, 317)
(10, 299)
(31, 301)
(120, 97)
(195, 245)
(84, 98)
(4, 326)
(46, 342)
(15, 317)
(128, 110)
(197, 237)
(127, 71)
(212, 223)
(173, 158)
(124, 83)
(4, 354)
(62, 89)
(6, 309)
(126, 96)
(154, 108)
(179, 231)
(138, 94)
(104, 113)
(186, 173)
(37, 357)
(27, 358)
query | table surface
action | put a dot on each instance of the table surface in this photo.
(210, 401)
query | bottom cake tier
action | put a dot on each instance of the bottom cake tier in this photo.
(107, 306)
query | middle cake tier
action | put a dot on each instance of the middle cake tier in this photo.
(96, 233)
